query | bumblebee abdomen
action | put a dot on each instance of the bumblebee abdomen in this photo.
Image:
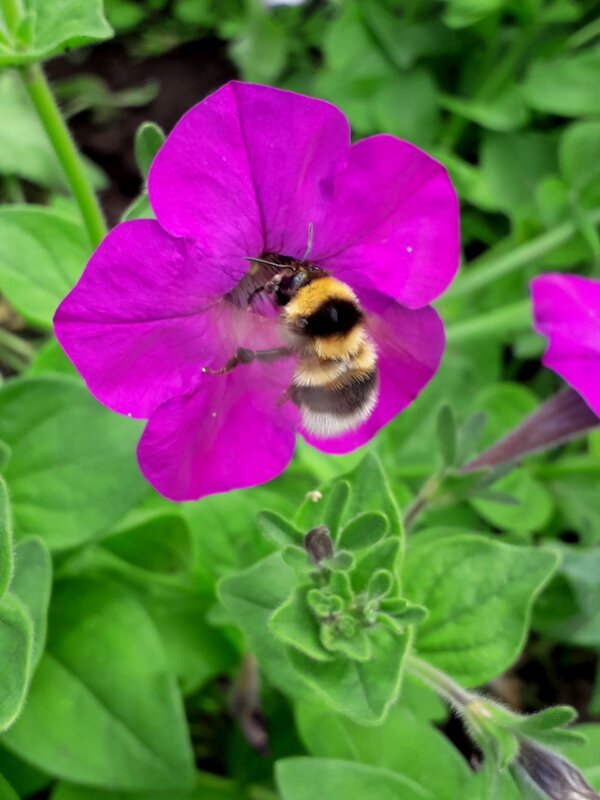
(330, 409)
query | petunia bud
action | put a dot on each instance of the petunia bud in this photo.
(318, 544)
(555, 777)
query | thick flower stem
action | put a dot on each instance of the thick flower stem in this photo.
(488, 269)
(43, 100)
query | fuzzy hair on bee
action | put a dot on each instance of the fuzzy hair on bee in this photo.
(335, 381)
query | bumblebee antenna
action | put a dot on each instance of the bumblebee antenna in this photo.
(310, 241)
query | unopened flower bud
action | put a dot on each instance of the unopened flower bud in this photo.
(555, 777)
(318, 544)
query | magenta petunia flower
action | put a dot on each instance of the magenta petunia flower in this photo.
(566, 310)
(254, 172)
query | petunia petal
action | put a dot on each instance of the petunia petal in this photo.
(567, 312)
(410, 345)
(230, 433)
(393, 223)
(135, 325)
(246, 170)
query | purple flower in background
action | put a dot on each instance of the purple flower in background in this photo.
(566, 311)
(247, 173)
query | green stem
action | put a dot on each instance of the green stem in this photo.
(584, 35)
(43, 100)
(498, 324)
(15, 344)
(489, 269)
(441, 683)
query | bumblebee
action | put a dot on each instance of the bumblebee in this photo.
(335, 382)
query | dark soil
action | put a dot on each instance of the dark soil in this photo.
(185, 76)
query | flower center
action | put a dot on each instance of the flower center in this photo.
(246, 295)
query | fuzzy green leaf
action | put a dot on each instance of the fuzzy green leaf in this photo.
(104, 671)
(72, 471)
(16, 652)
(479, 594)
(361, 690)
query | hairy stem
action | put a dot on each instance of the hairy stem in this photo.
(442, 684)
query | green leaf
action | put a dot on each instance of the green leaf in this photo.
(504, 112)
(415, 90)
(6, 539)
(51, 358)
(479, 594)
(513, 165)
(43, 254)
(281, 532)
(361, 690)
(363, 531)
(25, 151)
(32, 584)
(579, 155)
(565, 85)
(16, 649)
(383, 555)
(251, 596)
(335, 506)
(371, 492)
(72, 471)
(295, 625)
(6, 791)
(161, 544)
(307, 778)
(403, 744)
(60, 25)
(139, 208)
(206, 787)
(103, 708)
(149, 138)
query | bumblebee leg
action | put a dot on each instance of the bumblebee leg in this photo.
(245, 356)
